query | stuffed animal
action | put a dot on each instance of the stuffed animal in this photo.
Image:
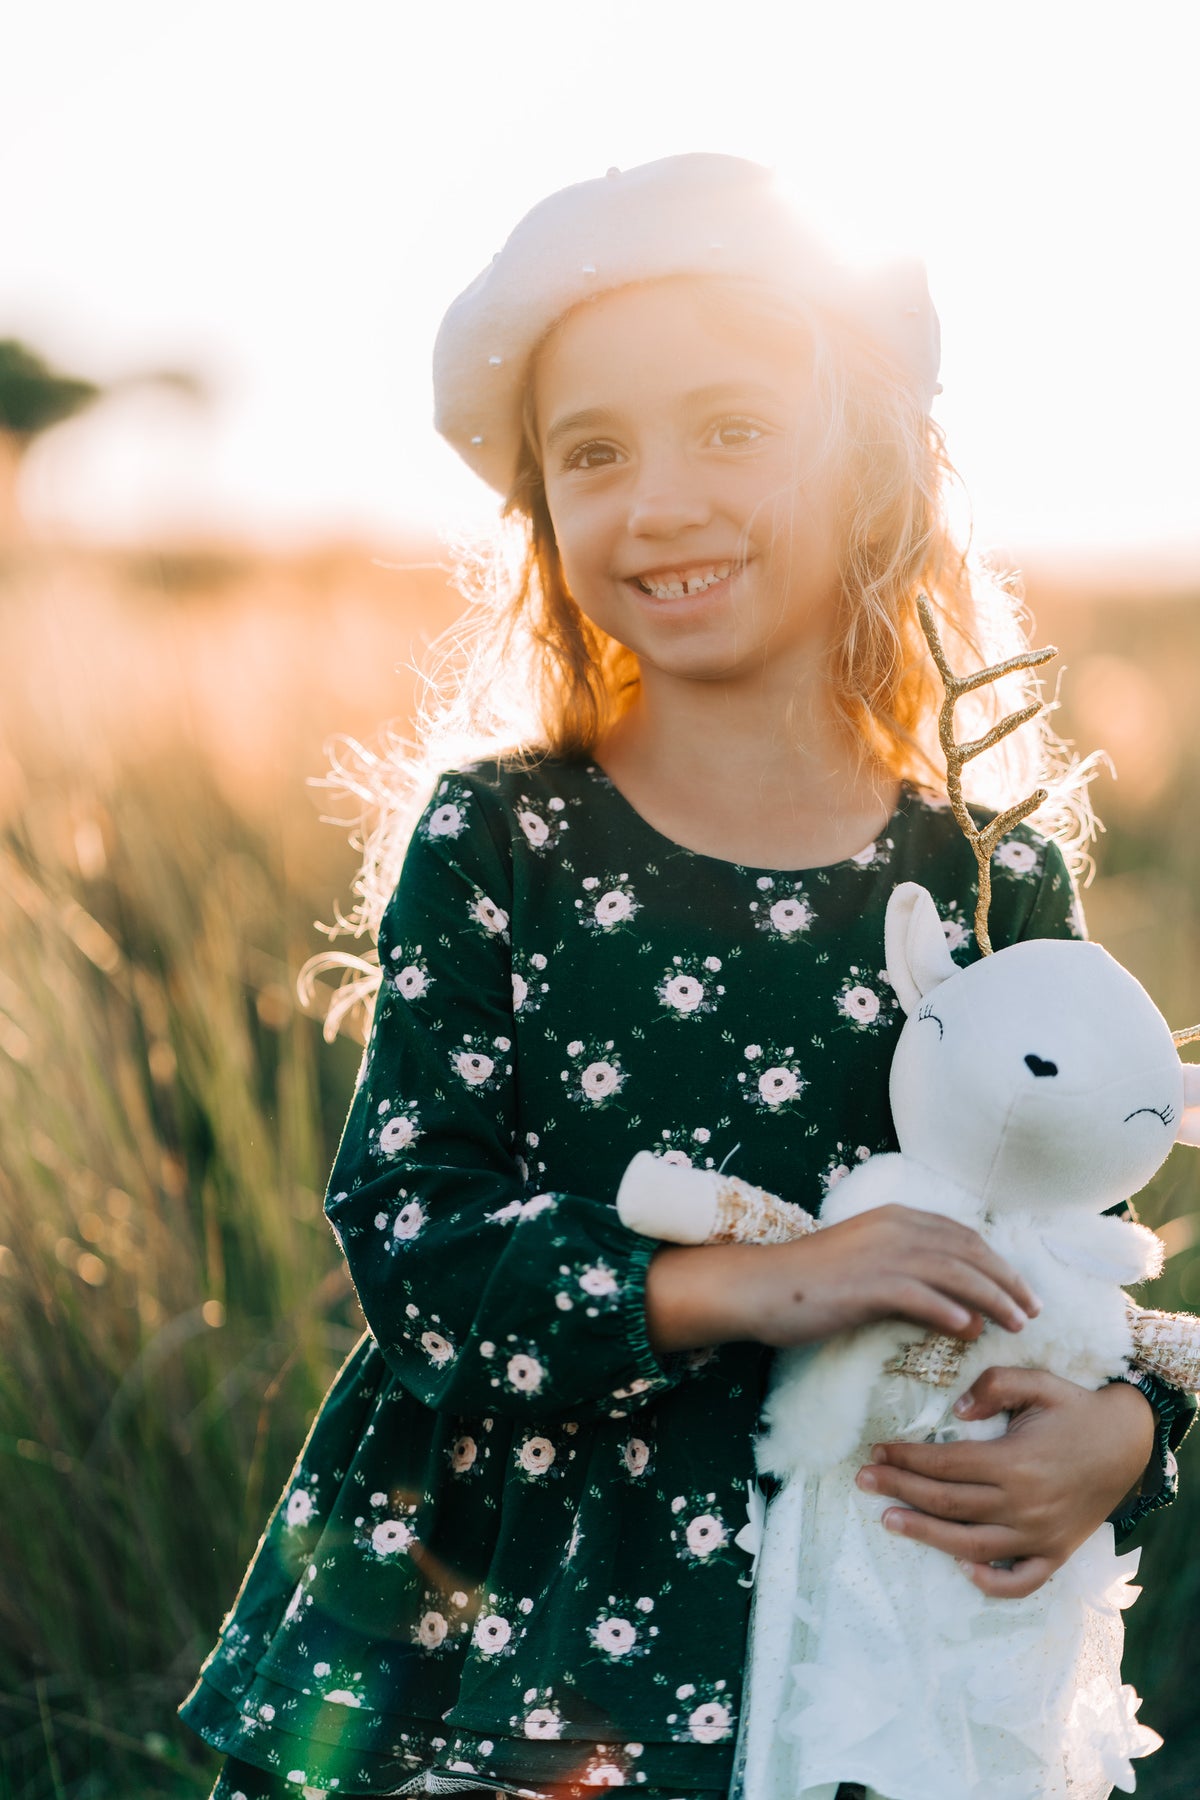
(1030, 1091)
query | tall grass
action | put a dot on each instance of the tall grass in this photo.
(172, 1305)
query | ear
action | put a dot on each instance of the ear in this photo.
(918, 957)
(1189, 1125)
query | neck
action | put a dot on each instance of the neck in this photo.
(760, 772)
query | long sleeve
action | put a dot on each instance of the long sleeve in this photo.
(483, 1294)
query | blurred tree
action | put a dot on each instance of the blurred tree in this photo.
(34, 397)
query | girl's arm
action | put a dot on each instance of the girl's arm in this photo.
(458, 1262)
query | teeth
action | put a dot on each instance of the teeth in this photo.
(675, 586)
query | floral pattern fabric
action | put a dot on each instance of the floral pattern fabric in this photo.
(509, 1552)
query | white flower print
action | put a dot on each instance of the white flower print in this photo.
(778, 1083)
(525, 1374)
(431, 1630)
(342, 1697)
(604, 1774)
(838, 1166)
(864, 858)
(788, 916)
(300, 1507)
(1013, 855)
(956, 934)
(598, 1072)
(706, 1534)
(785, 910)
(860, 1004)
(683, 993)
(777, 1086)
(616, 1637)
(687, 989)
(412, 981)
(397, 1134)
(600, 1079)
(389, 1536)
(474, 1068)
(492, 1633)
(528, 985)
(542, 1722)
(409, 1221)
(436, 1348)
(710, 1722)
(485, 912)
(536, 1455)
(599, 1281)
(681, 1147)
(635, 1454)
(463, 1452)
(534, 826)
(613, 906)
(445, 821)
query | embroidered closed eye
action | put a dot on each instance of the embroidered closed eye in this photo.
(927, 1012)
(1165, 1113)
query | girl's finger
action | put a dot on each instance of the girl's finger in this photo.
(962, 1502)
(966, 1543)
(1026, 1576)
(977, 1461)
(969, 1286)
(967, 1246)
(916, 1300)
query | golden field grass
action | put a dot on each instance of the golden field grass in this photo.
(172, 1304)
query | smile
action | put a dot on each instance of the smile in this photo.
(673, 585)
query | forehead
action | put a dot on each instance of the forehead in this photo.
(657, 342)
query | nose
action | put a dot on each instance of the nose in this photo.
(1037, 1066)
(666, 499)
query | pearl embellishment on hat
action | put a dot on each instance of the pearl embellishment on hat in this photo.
(477, 440)
(588, 269)
(495, 361)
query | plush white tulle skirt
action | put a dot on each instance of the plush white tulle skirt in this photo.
(873, 1659)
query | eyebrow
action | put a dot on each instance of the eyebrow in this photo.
(600, 415)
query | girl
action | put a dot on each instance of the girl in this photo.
(508, 1556)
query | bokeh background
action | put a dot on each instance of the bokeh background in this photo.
(227, 234)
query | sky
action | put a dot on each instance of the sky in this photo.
(284, 196)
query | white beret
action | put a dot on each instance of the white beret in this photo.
(697, 213)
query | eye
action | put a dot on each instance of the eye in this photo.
(576, 459)
(1165, 1113)
(739, 424)
(927, 1012)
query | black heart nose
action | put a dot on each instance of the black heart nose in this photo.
(1036, 1066)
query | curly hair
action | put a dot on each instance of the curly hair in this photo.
(525, 672)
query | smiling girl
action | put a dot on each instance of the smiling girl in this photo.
(508, 1557)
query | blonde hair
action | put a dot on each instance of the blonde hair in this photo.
(525, 672)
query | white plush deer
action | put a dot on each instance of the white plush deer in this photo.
(1030, 1091)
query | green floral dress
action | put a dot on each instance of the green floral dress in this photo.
(508, 1555)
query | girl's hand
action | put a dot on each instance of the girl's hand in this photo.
(1029, 1498)
(891, 1263)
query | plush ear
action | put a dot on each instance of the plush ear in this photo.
(918, 957)
(1189, 1124)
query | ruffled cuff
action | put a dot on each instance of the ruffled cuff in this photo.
(1174, 1411)
(655, 1373)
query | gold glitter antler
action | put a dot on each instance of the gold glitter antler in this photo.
(982, 842)
(1187, 1036)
